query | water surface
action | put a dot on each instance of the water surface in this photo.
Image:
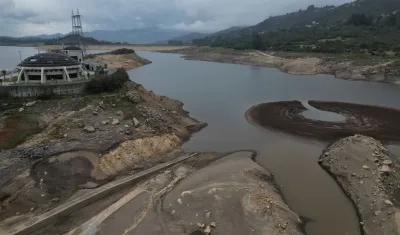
(220, 94)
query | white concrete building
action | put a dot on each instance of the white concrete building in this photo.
(74, 52)
(50, 67)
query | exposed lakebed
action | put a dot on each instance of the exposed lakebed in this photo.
(220, 94)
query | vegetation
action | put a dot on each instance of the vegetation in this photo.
(363, 27)
(108, 83)
(122, 51)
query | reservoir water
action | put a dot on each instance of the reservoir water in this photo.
(220, 94)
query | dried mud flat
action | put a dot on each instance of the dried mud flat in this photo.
(209, 194)
(378, 122)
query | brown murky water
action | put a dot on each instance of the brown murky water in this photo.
(220, 94)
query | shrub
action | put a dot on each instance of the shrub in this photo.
(107, 83)
(122, 51)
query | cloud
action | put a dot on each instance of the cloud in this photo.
(30, 17)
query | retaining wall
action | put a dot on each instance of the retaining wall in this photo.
(32, 90)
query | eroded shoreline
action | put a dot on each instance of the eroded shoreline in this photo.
(369, 69)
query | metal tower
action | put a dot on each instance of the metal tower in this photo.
(77, 30)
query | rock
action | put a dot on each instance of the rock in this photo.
(133, 96)
(128, 132)
(387, 202)
(120, 113)
(200, 225)
(136, 122)
(208, 215)
(95, 113)
(56, 199)
(115, 121)
(365, 167)
(376, 213)
(89, 129)
(114, 105)
(21, 109)
(65, 135)
(387, 162)
(207, 230)
(101, 104)
(213, 224)
(32, 209)
(385, 169)
(362, 223)
(104, 122)
(30, 104)
(89, 185)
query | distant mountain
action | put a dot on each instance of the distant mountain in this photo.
(13, 41)
(327, 16)
(136, 36)
(363, 26)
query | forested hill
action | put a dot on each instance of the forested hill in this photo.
(372, 25)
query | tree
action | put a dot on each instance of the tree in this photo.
(359, 19)
(310, 8)
(257, 42)
(4, 74)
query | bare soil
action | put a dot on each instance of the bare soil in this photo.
(368, 174)
(210, 194)
(378, 122)
(353, 68)
(86, 141)
(126, 61)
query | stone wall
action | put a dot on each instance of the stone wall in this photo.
(32, 90)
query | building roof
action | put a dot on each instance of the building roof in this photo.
(72, 48)
(48, 60)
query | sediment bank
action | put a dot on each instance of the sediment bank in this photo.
(378, 122)
(366, 171)
(121, 58)
(367, 69)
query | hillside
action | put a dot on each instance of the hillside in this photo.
(362, 26)
(73, 39)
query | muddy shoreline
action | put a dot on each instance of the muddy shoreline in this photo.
(366, 172)
(377, 122)
(369, 69)
(364, 168)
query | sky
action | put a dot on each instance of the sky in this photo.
(34, 17)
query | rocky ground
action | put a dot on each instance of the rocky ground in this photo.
(367, 69)
(209, 194)
(368, 174)
(85, 141)
(120, 58)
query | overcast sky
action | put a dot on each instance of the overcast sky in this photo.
(33, 17)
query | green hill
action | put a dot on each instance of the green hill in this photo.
(370, 26)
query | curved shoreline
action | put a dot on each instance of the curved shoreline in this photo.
(285, 116)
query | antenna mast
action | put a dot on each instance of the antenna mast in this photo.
(77, 30)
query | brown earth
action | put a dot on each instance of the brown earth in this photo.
(126, 61)
(378, 122)
(86, 141)
(368, 174)
(208, 194)
(367, 69)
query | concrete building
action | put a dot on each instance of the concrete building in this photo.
(50, 67)
(74, 52)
